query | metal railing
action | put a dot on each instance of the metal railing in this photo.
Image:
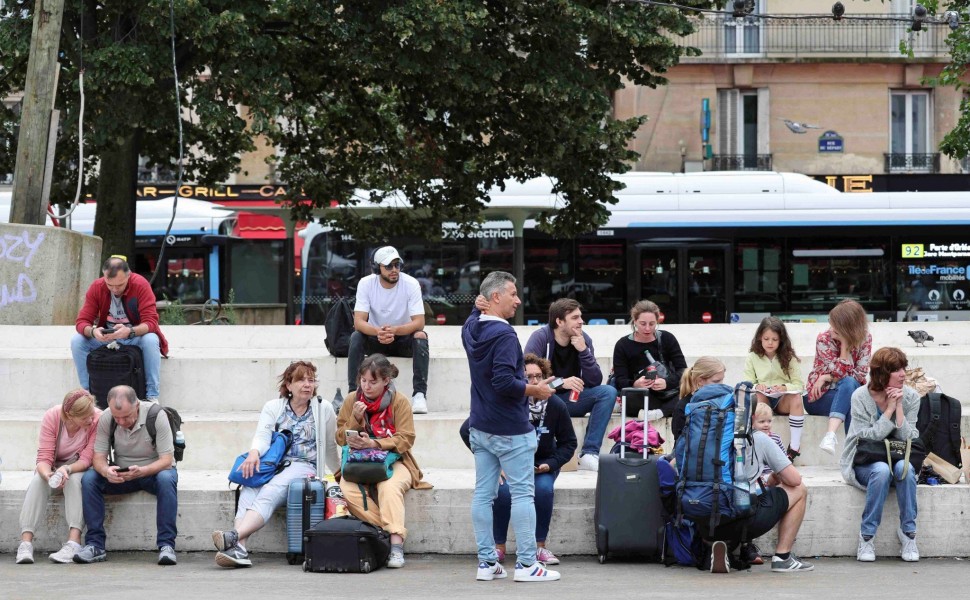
(725, 37)
(741, 162)
(924, 163)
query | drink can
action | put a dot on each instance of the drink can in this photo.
(573, 396)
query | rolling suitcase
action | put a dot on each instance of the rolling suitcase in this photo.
(628, 518)
(108, 368)
(346, 545)
(305, 502)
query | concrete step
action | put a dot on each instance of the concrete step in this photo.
(439, 520)
(215, 438)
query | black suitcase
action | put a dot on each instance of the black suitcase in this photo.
(305, 503)
(628, 518)
(108, 368)
(345, 545)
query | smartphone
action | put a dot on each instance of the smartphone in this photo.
(556, 383)
(650, 375)
(351, 433)
(122, 469)
(107, 330)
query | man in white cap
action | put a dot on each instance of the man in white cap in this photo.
(389, 319)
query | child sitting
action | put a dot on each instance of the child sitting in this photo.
(774, 368)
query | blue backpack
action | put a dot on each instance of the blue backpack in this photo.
(711, 451)
(681, 544)
(271, 462)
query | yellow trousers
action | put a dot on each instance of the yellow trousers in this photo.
(387, 511)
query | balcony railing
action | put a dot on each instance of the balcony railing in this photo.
(721, 38)
(741, 162)
(923, 163)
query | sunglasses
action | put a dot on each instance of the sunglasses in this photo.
(394, 266)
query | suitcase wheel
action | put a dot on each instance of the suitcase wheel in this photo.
(292, 558)
(306, 566)
(602, 558)
(365, 566)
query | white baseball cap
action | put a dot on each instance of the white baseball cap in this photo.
(385, 255)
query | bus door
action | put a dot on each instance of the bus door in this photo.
(691, 282)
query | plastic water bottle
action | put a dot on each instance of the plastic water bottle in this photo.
(56, 478)
(742, 489)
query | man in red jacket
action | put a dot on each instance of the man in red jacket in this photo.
(120, 307)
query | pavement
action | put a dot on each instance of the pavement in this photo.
(430, 577)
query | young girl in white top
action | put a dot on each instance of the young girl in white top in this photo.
(773, 367)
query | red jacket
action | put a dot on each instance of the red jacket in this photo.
(138, 300)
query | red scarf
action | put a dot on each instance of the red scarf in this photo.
(381, 422)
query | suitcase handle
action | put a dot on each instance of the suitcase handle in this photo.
(633, 391)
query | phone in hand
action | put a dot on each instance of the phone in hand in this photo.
(556, 383)
(351, 433)
(650, 375)
(122, 469)
(108, 329)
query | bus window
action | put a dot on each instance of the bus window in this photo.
(824, 275)
(940, 281)
(760, 280)
(658, 281)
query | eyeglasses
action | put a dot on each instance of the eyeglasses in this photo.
(533, 376)
(394, 266)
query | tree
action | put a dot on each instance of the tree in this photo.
(440, 99)
(956, 143)
(443, 100)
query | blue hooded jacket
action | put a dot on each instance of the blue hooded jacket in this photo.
(498, 402)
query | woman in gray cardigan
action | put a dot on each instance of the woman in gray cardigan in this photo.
(885, 409)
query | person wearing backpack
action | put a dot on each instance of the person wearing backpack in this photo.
(885, 409)
(128, 460)
(313, 450)
(389, 319)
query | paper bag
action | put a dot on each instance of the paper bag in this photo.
(943, 468)
(965, 459)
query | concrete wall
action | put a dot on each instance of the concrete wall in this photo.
(44, 272)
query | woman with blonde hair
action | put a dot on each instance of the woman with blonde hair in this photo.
(842, 355)
(65, 450)
(705, 370)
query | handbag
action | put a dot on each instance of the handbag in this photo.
(891, 451)
(270, 463)
(367, 466)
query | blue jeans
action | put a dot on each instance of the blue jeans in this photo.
(877, 479)
(406, 346)
(598, 401)
(164, 485)
(502, 508)
(513, 455)
(151, 354)
(836, 401)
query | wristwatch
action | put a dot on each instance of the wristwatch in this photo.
(131, 333)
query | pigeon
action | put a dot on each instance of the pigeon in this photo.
(920, 337)
(797, 127)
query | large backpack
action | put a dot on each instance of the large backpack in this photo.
(174, 421)
(939, 426)
(711, 450)
(339, 325)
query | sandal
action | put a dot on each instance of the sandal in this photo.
(792, 454)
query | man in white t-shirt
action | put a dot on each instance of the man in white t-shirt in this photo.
(389, 319)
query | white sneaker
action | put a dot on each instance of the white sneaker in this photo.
(866, 551)
(25, 553)
(419, 404)
(488, 572)
(589, 462)
(909, 552)
(654, 414)
(66, 553)
(396, 560)
(829, 442)
(535, 572)
(617, 406)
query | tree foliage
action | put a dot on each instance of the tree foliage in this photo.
(439, 99)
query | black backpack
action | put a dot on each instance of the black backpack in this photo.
(174, 421)
(939, 426)
(339, 325)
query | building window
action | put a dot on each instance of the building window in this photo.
(742, 130)
(742, 35)
(909, 133)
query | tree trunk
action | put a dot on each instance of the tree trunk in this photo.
(115, 222)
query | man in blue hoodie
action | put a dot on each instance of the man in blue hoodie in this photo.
(500, 432)
(564, 343)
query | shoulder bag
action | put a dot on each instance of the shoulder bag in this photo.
(271, 462)
(891, 451)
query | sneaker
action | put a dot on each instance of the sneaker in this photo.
(792, 564)
(487, 572)
(233, 557)
(396, 560)
(829, 442)
(909, 551)
(866, 551)
(166, 556)
(501, 554)
(719, 558)
(25, 553)
(66, 553)
(654, 414)
(617, 405)
(419, 404)
(90, 554)
(534, 572)
(751, 554)
(545, 556)
(225, 539)
(589, 462)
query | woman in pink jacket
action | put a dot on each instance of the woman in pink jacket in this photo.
(65, 449)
